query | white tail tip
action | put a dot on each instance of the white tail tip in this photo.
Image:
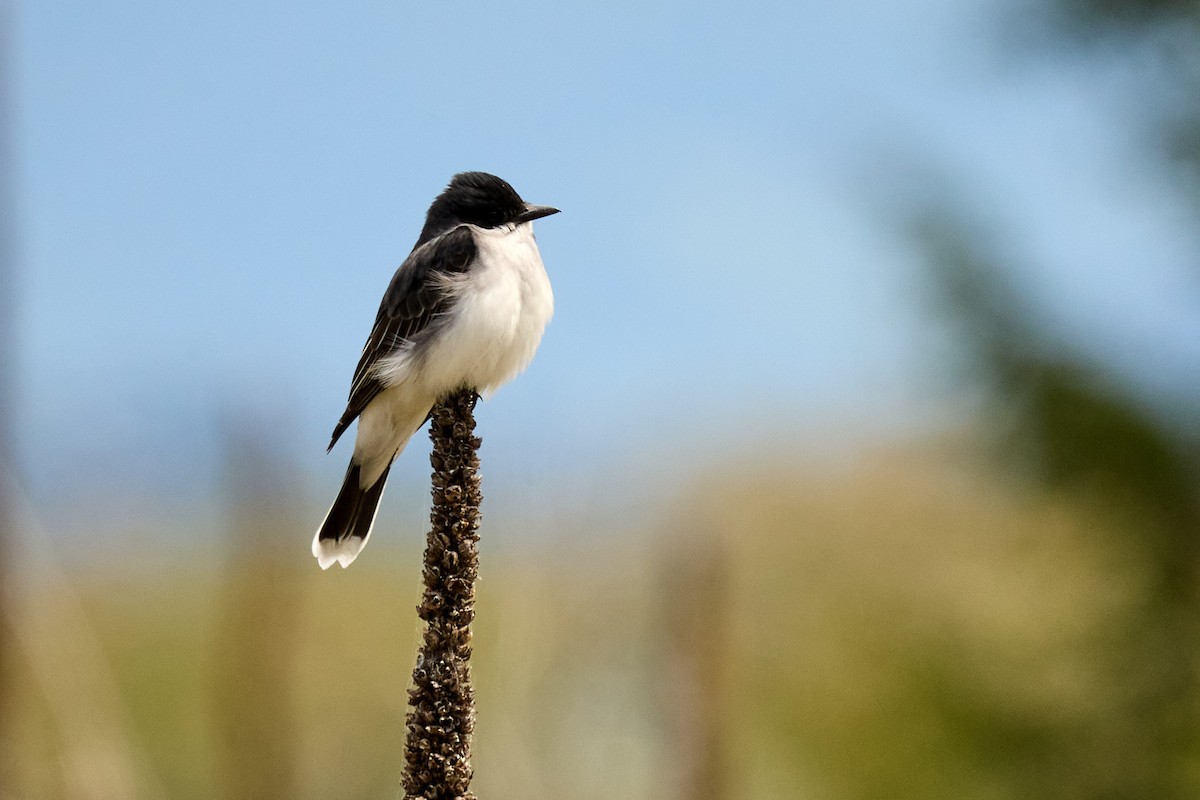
(329, 551)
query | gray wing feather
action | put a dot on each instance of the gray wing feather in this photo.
(414, 297)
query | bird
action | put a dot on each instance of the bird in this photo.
(465, 310)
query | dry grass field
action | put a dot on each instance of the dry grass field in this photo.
(904, 625)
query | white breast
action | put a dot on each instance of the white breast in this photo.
(502, 306)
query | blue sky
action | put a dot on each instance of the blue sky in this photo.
(211, 199)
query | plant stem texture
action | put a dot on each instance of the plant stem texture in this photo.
(441, 702)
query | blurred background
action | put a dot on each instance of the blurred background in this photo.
(860, 459)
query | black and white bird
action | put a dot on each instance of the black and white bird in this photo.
(466, 309)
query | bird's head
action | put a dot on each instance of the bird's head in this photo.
(477, 198)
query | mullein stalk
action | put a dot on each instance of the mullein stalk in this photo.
(441, 716)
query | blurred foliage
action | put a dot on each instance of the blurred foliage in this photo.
(1074, 425)
(698, 654)
(256, 633)
(912, 629)
(1128, 16)
(1073, 428)
(1169, 32)
(554, 720)
(906, 626)
(921, 623)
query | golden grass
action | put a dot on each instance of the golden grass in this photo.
(903, 627)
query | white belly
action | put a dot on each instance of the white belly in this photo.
(500, 311)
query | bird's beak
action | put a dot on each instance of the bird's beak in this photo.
(533, 212)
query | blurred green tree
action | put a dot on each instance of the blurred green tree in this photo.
(1168, 31)
(1072, 424)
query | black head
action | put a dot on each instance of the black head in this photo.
(477, 198)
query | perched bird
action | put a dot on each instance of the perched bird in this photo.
(466, 309)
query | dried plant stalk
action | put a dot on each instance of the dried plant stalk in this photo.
(441, 717)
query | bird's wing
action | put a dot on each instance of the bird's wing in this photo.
(416, 294)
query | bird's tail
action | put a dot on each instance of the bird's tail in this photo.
(348, 524)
